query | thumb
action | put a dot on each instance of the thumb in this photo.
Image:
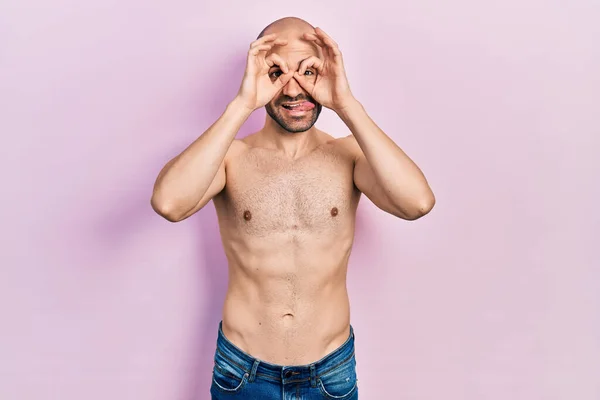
(304, 82)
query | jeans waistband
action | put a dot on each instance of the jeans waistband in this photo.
(255, 367)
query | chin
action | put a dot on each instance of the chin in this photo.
(294, 123)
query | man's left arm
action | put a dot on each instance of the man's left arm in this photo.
(383, 172)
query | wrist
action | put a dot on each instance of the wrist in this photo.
(239, 107)
(347, 108)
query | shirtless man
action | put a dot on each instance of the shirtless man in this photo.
(286, 199)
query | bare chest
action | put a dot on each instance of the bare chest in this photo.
(266, 194)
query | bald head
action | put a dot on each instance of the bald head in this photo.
(296, 49)
(287, 24)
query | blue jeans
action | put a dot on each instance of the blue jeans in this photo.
(238, 375)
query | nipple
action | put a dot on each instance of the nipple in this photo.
(334, 211)
(247, 215)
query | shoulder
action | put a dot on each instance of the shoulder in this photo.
(238, 146)
(348, 145)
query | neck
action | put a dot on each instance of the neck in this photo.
(292, 144)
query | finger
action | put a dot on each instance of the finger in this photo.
(273, 41)
(314, 38)
(264, 47)
(323, 35)
(257, 49)
(278, 42)
(274, 59)
(282, 80)
(312, 61)
(331, 44)
(304, 82)
(264, 39)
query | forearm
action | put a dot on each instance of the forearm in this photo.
(403, 182)
(186, 178)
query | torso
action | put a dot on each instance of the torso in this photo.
(287, 228)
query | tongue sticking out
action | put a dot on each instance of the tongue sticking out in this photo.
(304, 106)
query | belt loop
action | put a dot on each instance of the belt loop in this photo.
(313, 376)
(253, 372)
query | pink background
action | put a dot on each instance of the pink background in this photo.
(494, 295)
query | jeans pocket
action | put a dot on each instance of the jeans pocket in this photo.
(341, 382)
(227, 376)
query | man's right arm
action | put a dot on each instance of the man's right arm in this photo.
(190, 180)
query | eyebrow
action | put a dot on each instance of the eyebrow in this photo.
(278, 67)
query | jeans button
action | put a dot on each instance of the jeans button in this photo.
(288, 373)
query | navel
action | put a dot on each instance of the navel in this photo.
(247, 215)
(334, 211)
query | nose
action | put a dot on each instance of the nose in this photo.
(292, 88)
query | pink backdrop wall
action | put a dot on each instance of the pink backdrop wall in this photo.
(494, 295)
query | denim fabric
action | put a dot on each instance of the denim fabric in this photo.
(238, 375)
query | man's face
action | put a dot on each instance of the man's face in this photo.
(292, 107)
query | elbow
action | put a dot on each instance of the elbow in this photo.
(419, 209)
(427, 204)
(165, 209)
